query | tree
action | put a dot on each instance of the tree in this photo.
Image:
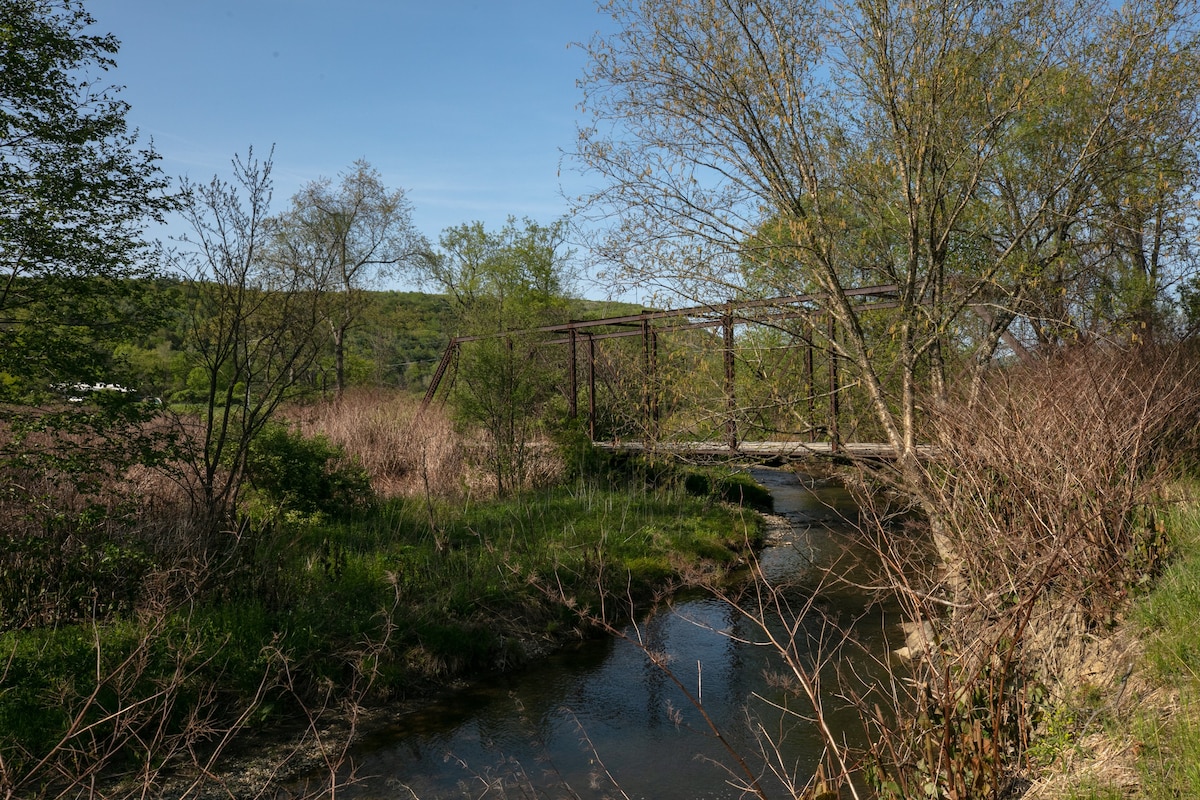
(252, 329)
(76, 192)
(967, 153)
(500, 282)
(349, 237)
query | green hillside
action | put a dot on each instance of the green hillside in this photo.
(397, 344)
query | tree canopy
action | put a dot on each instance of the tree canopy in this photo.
(501, 281)
(1023, 168)
(77, 190)
(348, 237)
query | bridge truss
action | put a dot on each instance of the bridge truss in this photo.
(650, 324)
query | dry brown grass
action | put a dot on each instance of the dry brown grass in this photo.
(406, 451)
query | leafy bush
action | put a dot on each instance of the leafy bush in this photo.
(306, 473)
(66, 567)
(732, 487)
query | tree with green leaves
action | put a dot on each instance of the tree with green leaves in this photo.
(349, 237)
(77, 191)
(502, 281)
(1007, 158)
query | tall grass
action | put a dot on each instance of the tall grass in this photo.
(1168, 614)
(407, 451)
(1168, 735)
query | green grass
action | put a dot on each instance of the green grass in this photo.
(1169, 761)
(419, 603)
(1170, 745)
(1168, 614)
(1090, 790)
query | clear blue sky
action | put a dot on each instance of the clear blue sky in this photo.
(466, 105)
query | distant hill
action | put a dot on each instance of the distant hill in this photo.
(397, 344)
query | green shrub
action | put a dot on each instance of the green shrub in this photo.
(76, 567)
(306, 473)
(738, 488)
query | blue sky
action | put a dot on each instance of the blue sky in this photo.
(466, 105)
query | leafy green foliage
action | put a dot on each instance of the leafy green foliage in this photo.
(1171, 609)
(500, 282)
(728, 485)
(306, 473)
(72, 567)
(77, 190)
(252, 329)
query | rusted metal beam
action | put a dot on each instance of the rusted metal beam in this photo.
(436, 380)
(831, 332)
(713, 323)
(592, 387)
(810, 387)
(731, 430)
(573, 388)
(650, 375)
(639, 325)
(714, 312)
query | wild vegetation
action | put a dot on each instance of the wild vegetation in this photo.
(225, 511)
(134, 652)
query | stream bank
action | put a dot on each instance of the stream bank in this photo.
(598, 717)
(595, 716)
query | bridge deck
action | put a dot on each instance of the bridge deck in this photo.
(765, 449)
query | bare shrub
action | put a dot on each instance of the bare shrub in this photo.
(406, 450)
(1045, 480)
(155, 719)
(1044, 484)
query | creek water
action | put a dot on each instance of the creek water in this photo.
(599, 720)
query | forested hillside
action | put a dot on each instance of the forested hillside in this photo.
(397, 344)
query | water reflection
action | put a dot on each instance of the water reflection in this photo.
(600, 716)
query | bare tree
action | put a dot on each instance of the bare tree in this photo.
(252, 328)
(350, 237)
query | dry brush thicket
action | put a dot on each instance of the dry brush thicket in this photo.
(407, 450)
(1046, 484)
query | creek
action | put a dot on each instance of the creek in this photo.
(599, 720)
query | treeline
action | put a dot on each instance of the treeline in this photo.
(398, 345)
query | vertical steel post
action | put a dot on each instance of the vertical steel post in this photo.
(654, 393)
(731, 431)
(591, 387)
(834, 444)
(810, 386)
(649, 409)
(572, 382)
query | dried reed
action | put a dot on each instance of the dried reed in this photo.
(407, 450)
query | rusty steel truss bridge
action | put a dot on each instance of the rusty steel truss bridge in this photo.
(581, 337)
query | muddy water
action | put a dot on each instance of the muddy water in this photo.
(600, 720)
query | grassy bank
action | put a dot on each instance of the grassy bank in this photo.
(306, 619)
(1132, 727)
